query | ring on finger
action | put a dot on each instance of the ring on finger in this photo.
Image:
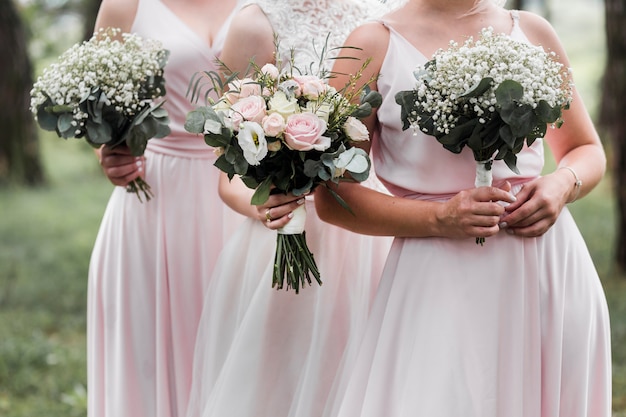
(268, 216)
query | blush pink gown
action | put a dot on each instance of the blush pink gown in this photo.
(152, 261)
(267, 353)
(515, 328)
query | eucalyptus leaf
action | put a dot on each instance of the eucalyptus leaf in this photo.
(64, 125)
(223, 165)
(374, 98)
(364, 110)
(98, 133)
(546, 113)
(509, 91)
(46, 120)
(262, 192)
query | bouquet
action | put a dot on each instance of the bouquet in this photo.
(287, 133)
(494, 95)
(104, 90)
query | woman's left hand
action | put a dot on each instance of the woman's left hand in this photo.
(538, 205)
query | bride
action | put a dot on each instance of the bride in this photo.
(262, 352)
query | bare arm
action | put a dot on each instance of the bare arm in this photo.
(575, 145)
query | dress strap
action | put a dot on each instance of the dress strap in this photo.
(515, 17)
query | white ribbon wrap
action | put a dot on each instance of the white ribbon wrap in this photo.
(296, 224)
(484, 176)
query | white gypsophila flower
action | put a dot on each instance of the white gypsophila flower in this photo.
(458, 69)
(120, 69)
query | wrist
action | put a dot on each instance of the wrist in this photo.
(576, 185)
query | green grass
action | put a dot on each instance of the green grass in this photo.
(46, 236)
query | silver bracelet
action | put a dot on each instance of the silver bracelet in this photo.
(577, 183)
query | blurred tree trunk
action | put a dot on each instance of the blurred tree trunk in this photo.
(612, 119)
(19, 144)
(90, 12)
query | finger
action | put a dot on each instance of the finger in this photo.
(279, 222)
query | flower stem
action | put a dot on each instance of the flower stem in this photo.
(139, 187)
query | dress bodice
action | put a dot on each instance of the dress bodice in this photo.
(189, 53)
(413, 164)
(304, 25)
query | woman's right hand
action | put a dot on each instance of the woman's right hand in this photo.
(475, 212)
(119, 165)
(277, 210)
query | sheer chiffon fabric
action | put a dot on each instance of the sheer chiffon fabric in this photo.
(267, 353)
(518, 327)
(152, 261)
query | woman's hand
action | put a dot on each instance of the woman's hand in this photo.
(474, 213)
(538, 204)
(277, 210)
(119, 165)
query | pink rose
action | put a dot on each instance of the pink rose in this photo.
(311, 86)
(273, 124)
(239, 89)
(251, 109)
(304, 132)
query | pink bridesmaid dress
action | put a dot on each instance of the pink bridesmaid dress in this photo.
(518, 327)
(152, 261)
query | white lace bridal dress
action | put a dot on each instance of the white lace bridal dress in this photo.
(267, 353)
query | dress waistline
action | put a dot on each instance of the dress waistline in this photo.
(516, 186)
(182, 147)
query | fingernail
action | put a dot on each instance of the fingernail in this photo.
(290, 215)
(503, 225)
(300, 201)
(139, 162)
(513, 197)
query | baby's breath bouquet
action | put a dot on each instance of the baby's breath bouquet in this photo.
(493, 94)
(285, 132)
(104, 90)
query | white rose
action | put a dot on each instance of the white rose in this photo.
(252, 141)
(322, 110)
(356, 130)
(279, 103)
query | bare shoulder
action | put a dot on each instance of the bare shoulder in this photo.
(250, 38)
(540, 32)
(250, 23)
(117, 13)
(371, 38)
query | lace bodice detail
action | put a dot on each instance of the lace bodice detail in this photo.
(305, 26)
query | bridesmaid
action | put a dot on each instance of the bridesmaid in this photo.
(151, 261)
(515, 328)
(262, 352)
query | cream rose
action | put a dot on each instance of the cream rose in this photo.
(322, 110)
(304, 132)
(356, 130)
(250, 109)
(252, 141)
(279, 103)
(273, 124)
